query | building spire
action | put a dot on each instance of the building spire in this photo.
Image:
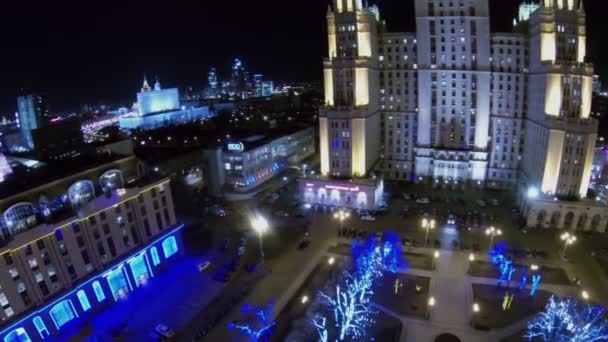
(145, 87)
(157, 84)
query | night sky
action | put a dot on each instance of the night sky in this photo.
(79, 52)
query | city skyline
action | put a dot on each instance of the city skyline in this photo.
(101, 62)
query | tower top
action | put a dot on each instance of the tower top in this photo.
(145, 86)
(157, 84)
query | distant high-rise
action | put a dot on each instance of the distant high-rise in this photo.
(258, 80)
(267, 88)
(213, 86)
(33, 114)
(238, 76)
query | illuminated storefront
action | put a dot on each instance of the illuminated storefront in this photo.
(356, 194)
(254, 160)
(73, 308)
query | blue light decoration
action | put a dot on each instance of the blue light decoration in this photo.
(169, 246)
(41, 327)
(351, 306)
(497, 253)
(523, 278)
(505, 272)
(319, 322)
(367, 260)
(262, 329)
(62, 313)
(512, 270)
(98, 291)
(84, 300)
(535, 282)
(569, 320)
(392, 253)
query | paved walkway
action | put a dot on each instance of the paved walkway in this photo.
(452, 290)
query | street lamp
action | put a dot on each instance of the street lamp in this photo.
(432, 301)
(476, 308)
(304, 166)
(436, 256)
(341, 215)
(260, 225)
(585, 295)
(427, 225)
(568, 240)
(331, 261)
(491, 232)
(534, 267)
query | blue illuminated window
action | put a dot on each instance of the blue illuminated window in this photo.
(118, 283)
(41, 327)
(62, 313)
(155, 259)
(98, 291)
(139, 268)
(17, 335)
(84, 301)
(169, 246)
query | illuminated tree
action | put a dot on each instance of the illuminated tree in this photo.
(392, 253)
(498, 253)
(367, 261)
(351, 306)
(262, 329)
(569, 321)
(319, 323)
(523, 278)
(535, 282)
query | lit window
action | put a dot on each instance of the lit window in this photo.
(41, 327)
(62, 313)
(98, 291)
(155, 259)
(19, 335)
(169, 246)
(84, 301)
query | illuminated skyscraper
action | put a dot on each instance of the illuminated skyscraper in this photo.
(33, 113)
(213, 86)
(258, 80)
(560, 135)
(454, 104)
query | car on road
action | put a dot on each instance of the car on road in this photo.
(481, 203)
(423, 200)
(406, 196)
(451, 219)
(164, 331)
(368, 218)
(303, 245)
(494, 202)
(203, 266)
(281, 213)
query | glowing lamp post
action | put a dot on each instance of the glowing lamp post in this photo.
(341, 216)
(427, 225)
(436, 256)
(431, 303)
(260, 225)
(568, 239)
(491, 232)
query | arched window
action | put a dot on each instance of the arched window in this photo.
(155, 259)
(111, 180)
(169, 246)
(17, 335)
(41, 327)
(81, 193)
(84, 301)
(98, 291)
(62, 313)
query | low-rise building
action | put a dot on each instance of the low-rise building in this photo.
(56, 273)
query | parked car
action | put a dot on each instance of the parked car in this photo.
(164, 331)
(481, 203)
(451, 219)
(303, 245)
(368, 218)
(423, 200)
(406, 196)
(203, 266)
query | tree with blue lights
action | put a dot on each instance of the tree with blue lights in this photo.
(351, 306)
(319, 322)
(535, 282)
(392, 253)
(367, 261)
(498, 253)
(263, 327)
(523, 278)
(568, 320)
